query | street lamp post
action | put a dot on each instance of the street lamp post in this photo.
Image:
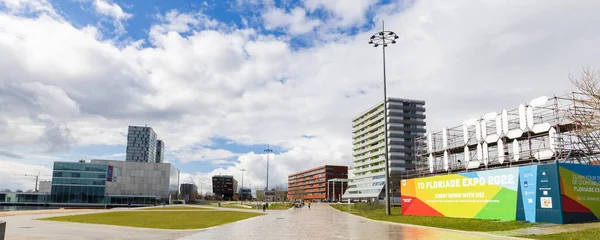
(242, 190)
(384, 38)
(268, 151)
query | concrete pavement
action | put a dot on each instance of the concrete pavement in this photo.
(324, 222)
(319, 222)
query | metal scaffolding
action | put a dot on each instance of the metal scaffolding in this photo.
(556, 129)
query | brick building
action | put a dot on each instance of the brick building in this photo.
(311, 184)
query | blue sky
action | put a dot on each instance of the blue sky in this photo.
(219, 81)
(240, 13)
(145, 14)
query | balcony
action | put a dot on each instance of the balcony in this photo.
(368, 124)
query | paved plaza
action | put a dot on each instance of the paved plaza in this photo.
(319, 222)
(324, 222)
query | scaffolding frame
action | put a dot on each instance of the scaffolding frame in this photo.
(545, 130)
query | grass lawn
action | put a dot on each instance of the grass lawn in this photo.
(158, 219)
(280, 206)
(176, 208)
(232, 205)
(465, 224)
(592, 233)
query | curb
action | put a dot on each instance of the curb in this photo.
(483, 234)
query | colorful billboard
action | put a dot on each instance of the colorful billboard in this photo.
(484, 194)
(529, 193)
(109, 174)
(580, 192)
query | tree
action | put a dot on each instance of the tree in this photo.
(19, 191)
(6, 190)
(587, 102)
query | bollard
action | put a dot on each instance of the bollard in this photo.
(2, 229)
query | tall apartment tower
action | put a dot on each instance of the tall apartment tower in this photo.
(141, 144)
(160, 151)
(406, 121)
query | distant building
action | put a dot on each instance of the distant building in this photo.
(141, 144)
(113, 183)
(273, 195)
(45, 187)
(312, 183)
(138, 178)
(224, 186)
(406, 121)
(160, 151)
(246, 194)
(188, 191)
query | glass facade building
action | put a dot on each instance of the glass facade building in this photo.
(141, 144)
(79, 182)
(101, 182)
(160, 151)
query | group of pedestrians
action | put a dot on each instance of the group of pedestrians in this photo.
(264, 206)
(301, 204)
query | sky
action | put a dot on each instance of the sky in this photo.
(220, 81)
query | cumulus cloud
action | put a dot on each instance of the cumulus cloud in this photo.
(29, 6)
(295, 21)
(197, 80)
(114, 12)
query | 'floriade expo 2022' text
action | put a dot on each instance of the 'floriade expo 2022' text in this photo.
(467, 182)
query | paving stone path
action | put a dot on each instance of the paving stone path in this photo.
(324, 222)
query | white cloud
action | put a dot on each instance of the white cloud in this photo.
(295, 21)
(465, 59)
(21, 176)
(29, 6)
(215, 156)
(114, 12)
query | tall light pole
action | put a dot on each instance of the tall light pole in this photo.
(268, 151)
(242, 190)
(384, 38)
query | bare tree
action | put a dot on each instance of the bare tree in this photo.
(6, 190)
(587, 103)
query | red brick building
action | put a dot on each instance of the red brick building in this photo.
(311, 184)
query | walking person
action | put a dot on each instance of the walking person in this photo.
(308, 205)
(264, 207)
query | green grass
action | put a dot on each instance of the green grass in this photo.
(161, 220)
(280, 206)
(592, 233)
(232, 205)
(465, 224)
(176, 208)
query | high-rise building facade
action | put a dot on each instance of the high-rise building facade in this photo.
(160, 151)
(406, 121)
(141, 144)
(312, 183)
(224, 186)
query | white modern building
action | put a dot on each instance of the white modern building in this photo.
(45, 187)
(406, 121)
(141, 178)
